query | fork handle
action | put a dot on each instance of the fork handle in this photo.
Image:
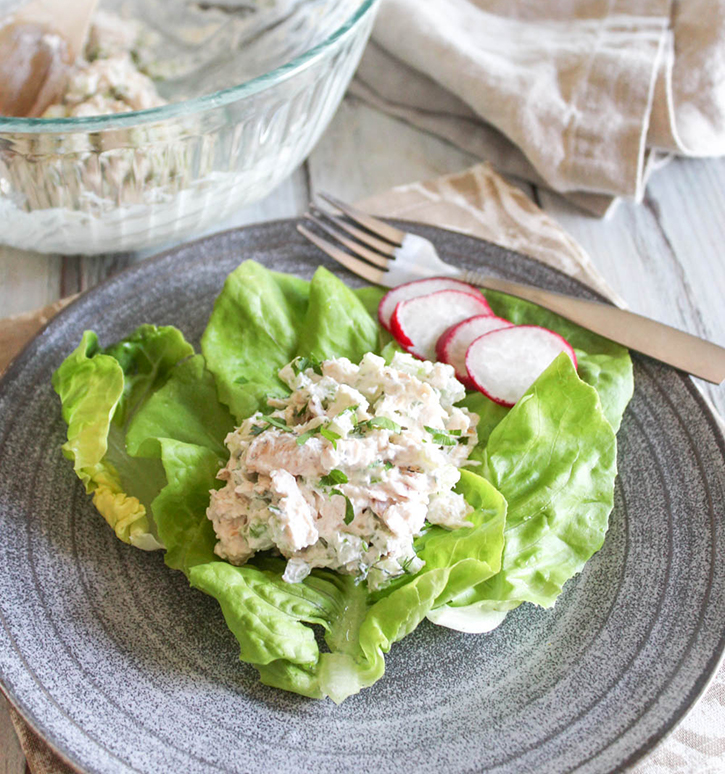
(682, 350)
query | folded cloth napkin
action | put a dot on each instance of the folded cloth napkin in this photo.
(584, 96)
(481, 203)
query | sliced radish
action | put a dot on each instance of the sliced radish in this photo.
(503, 364)
(417, 288)
(453, 344)
(418, 323)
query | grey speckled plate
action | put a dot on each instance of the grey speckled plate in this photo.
(123, 668)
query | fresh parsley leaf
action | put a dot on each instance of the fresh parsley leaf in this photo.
(388, 465)
(334, 477)
(381, 423)
(349, 510)
(440, 437)
(454, 432)
(331, 436)
(300, 364)
(349, 409)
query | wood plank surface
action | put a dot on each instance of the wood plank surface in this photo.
(12, 760)
(663, 257)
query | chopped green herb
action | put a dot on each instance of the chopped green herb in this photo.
(365, 546)
(380, 423)
(274, 509)
(300, 364)
(334, 477)
(388, 465)
(257, 429)
(405, 564)
(259, 529)
(440, 437)
(302, 410)
(349, 409)
(454, 432)
(331, 436)
(302, 439)
(349, 510)
(277, 422)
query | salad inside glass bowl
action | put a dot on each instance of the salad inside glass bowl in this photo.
(185, 112)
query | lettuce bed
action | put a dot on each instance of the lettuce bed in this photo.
(147, 419)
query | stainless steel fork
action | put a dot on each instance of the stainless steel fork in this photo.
(385, 255)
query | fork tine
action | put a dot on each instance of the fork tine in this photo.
(363, 236)
(355, 265)
(354, 247)
(383, 230)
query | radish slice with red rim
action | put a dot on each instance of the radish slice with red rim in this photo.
(503, 364)
(418, 323)
(421, 287)
(453, 344)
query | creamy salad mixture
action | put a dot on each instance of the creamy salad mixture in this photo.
(107, 79)
(345, 472)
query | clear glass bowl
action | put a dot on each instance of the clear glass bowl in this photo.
(131, 181)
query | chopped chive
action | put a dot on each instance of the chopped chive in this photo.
(302, 439)
(277, 422)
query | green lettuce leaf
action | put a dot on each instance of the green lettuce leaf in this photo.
(100, 392)
(186, 408)
(554, 459)
(269, 617)
(253, 331)
(337, 324)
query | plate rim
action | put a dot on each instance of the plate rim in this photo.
(16, 365)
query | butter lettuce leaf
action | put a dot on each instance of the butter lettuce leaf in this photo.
(554, 459)
(253, 331)
(100, 391)
(337, 324)
(185, 408)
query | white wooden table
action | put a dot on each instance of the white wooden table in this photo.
(665, 257)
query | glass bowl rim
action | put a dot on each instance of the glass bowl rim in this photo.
(190, 106)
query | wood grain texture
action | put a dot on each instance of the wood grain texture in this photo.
(364, 151)
(12, 760)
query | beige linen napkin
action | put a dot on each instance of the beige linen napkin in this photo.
(584, 96)
(477, 202)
